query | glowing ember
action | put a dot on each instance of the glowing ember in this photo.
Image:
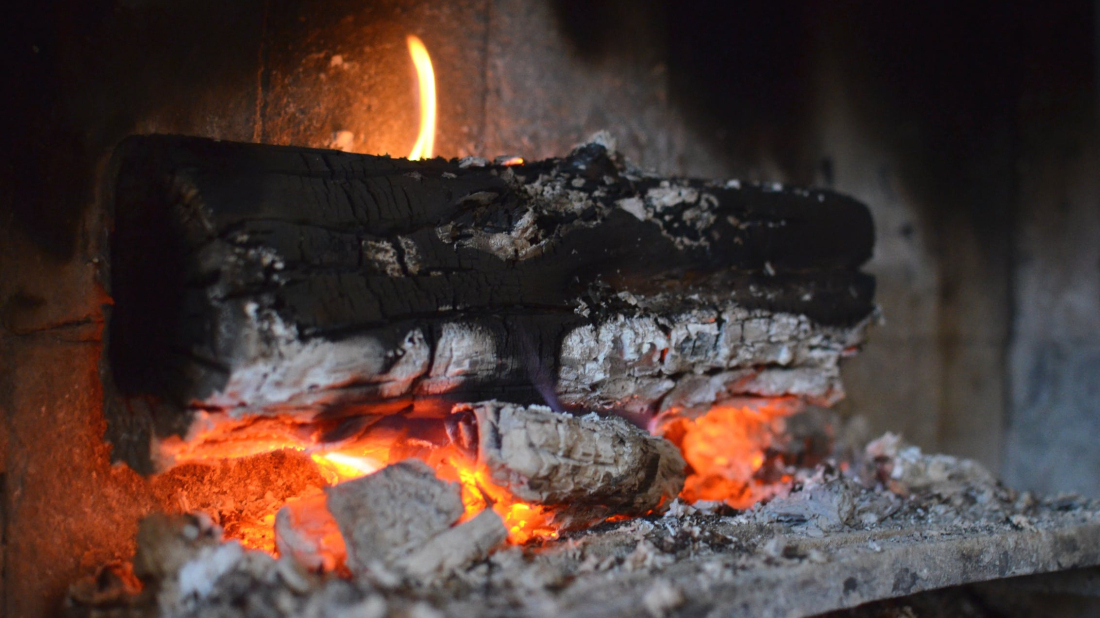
(727, 449)
(243, 471)
(426, 78)
(524, 521)
(219, 468)
(218, 446)
(337, 467)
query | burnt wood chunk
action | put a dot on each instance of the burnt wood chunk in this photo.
(382, 515)
(455, 547)
(255, 279)
(401, 520)
(587, 467)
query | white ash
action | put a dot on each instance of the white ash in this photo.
(384, 515)
(463, 350)
(523, 241)
(287, 372)
(693, 358)
(826, 505)
(198, 575)
(383, 256)
(904, 469)
(455, 547)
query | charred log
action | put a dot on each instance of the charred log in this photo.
(258, 279)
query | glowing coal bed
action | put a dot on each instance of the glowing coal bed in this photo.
(242, 473)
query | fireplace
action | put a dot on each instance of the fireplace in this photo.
(155, 146)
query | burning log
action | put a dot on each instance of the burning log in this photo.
(259, 279)
(588, 468)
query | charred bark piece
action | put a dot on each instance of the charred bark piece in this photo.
(258, 279)
(587, 467)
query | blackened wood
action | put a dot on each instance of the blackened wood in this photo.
(256, 278)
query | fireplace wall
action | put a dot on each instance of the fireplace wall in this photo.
(970, 131)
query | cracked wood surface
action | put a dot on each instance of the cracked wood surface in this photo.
(588, 468)
(253, 279)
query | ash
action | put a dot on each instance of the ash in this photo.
(892, 522)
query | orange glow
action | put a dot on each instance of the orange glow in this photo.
(726, 448)
(512, 161)
(524, 521)
(425, 142)
(222, 444)
(337, 467)
(242, 471)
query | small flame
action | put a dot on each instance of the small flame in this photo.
(510, 161)
(337, 467)
(425, 142)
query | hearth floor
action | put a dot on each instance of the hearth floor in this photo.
(834, 542)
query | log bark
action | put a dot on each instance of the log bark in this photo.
(254, 279)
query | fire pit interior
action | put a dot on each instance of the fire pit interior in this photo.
(550, 308)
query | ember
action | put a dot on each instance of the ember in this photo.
(241, 473)
(225, 462)
(727, 449)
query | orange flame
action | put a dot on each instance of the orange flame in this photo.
(242, 471)
(425, 142)
(225, 441)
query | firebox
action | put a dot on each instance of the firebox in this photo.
(525, 308)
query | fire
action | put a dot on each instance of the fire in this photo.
(524, 521)
(220, 453)
(727, 448)
(426, 79)
(242, 472)
(337, 467)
